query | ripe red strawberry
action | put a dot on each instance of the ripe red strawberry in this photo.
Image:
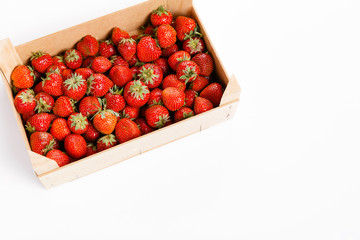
(160, 16)
(39, 122)
(163, 64)
(105, 120)
(172, 81)
(91, 134)
(136, 93)
(183, 113)
(151, 75)
(194, 45)
(167, 52)
(88, 46)
(120, 75)
(177, 58)
(27, 115)
(52, 84)
(134, 61)
(52, 117)
(190, 96)
(89, 106)
(114, 100)
(173, 98)
(22, 77)
(98, 85)
(59, 62)
(187, 71)
(147, 50)
(149, 30)
(84, 72)
(126, 130)
(75, 87)
(86, 63)
(166, 35)
(60, 129)
(106, 142)
(184, 26)
(38, 88)
(213, 93)
(127, 48)
(205, 63)
(75, 146)
(59, 157)
(202, 105)
(64, 106)
(199, 83)
(143, 126)
(73, 58)
(25, 101)
(118, 60)
(101, 64)
(41, 61)
(155, 97)
(107, 49)
(157, 116)
(41, 142)
(90, 149)
(77, 123)
(130, 112)
(135, 72)
(118, 34)
(66, 73)
(53, 69)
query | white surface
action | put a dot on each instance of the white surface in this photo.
(286, 167)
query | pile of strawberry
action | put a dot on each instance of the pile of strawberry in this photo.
(100, 94)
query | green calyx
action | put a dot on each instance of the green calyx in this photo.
(31, 71)
(161, 10)
(184, 58)
(49, 147)
(27, 96)
(115, 90)
(56, 70)
(74, 82)
(156, 103)
(127, 40)
(73, 102)
(102, 109)
(59, 58)
(108, 139)
(194, 33)
(89, 84)
(137, 90)
(78, 121)
(36, 55)
(29, 128)
(42, 106)
(72, 56)
(91, 145)
(147, 75)
(188, 73)
(194, 45)
(187, 114)
(163, 119)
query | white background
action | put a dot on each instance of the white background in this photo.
(285, 167)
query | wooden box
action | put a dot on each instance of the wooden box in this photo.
(129, 19)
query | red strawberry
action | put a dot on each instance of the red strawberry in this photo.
(202, 105)
(88, 46)
(25, 101)
(199, 83)
(151, 75)
(75, 87)
(143, 126)
(38, 88)
(177, 58)
(155, 97)
(52, 84)
(106, 142)
(136, 93)
(134, 61)
(127, 48)
(59, 62)
(91, 134)
(114, 100)
(160, 16)
(130, 112)
(135, 71)
(157, 116)
(59, 157)
(41, 61)
(117, 60)
(86, 63)
(73, 58)
(183, 113)
(105, 120)
(190, 96)
(107, 49)
(166, 35)
(163, 64)
(147, 50)
(90, 149)
(118, 34)
(205, 63)
(54, 69)
(213, 93)
(172, 81)
(63, 107)
(66, 73)
(187, 71)
(98, 85)
(126, 130)
(194, 45)
(52, 117)
(39, 122)
(77, 123)
(75, 146)
(120, 75)
(89, 106)
(84, 72)
(184, 26)
(41, 142)
(173, 98)
(167, 52)
(22, 77)
(59, 129)
(27, 115)
(149, 30)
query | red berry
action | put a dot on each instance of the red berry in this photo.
(157, 116)
(59, 157)
(173, 98)
(75, 146)
(126, 130)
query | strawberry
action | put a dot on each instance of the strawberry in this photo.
(160, 16)
(118, 34)
(84, 72)
(202, 105)
(177, 58)
(91, 134)
(120, 75)
(163, 64)
(105, 119)
(25, 101)
(101, 64)
(22, 77)
(135, 72)
(98, 85)
(38, 88)
(134, 61)
(88, 46)
(187, 71)
(172, 81)
(75, 87)
(127, 48)
(149, 30)
(136, 93)
(41, 61)
(53, 69)
(118, 60)
(126, 130)
(213, 93)
(52, 117)
(205, 63)
(107, 49)
(155, 97)
(39, 122)
(173, 98)
(114, 100)
(41, 142)
(166, 35)
(73, 58)
(130, 112)
(89, 106)
(183, 113)
(59, 62)
(147, 50)
(184, 26)
(106, 142)
(59, 157)
(86, 63)
(199, 83)
(77, 123)
(167, 52)
(27, 115)
(194, 45)
(66, 73)
(64, 106)
(59, 129)
(190, 96)
(90, 149)
(157, 116)
(143, 126)
(151, 75)
(75, 146)
(52, 84)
